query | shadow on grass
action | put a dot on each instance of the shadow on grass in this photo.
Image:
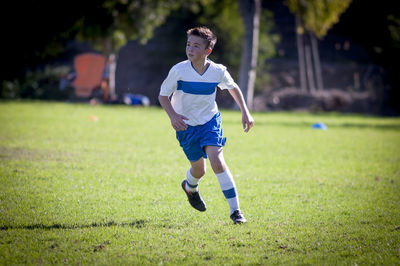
(136, 224)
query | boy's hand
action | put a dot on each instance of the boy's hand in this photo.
(176, 119)
(247, 122)
(177, 122)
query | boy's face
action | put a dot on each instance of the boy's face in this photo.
(196, 48)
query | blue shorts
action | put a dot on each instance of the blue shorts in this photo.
(195, 138)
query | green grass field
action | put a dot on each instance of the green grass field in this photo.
(76, 191)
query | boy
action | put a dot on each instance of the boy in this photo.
(195, 117)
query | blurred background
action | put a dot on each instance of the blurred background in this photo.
(315, 55)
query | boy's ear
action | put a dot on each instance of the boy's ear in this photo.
(209, 50)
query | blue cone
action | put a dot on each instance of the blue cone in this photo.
(321, 126)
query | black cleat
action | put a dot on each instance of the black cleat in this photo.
(238, 218)
(194, 198)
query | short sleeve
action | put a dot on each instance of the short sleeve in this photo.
(227, 81)
(170, 84)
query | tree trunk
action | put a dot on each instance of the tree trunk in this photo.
(317, 62)
(113, 68)
(309, 67)
(250, 10)
(300, 51)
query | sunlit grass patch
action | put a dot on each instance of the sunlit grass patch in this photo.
(76, 190)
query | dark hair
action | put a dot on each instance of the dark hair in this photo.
(204, 33)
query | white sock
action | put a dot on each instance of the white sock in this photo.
(228, 187)
(192, 182)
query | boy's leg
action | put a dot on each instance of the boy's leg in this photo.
(225, 178)
(190, 184)
(216, 156)
(188, 140)
(226, 182)
(194, 174)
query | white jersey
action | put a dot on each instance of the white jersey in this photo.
(194, 94)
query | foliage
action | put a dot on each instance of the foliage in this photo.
(40, 84)
(224, 18)
(132, 19)
(318, 16)
(266, 49)
(394, 29)
(110, 24)
(129, 20)
(44, 26)
(80, 191)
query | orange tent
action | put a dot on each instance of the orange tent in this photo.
(89, 70)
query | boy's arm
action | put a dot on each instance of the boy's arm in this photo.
(176, 119)
(247, 119)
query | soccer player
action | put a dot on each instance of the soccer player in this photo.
(195, 117)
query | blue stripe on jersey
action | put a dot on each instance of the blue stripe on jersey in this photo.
(230, 193)
(199, 88)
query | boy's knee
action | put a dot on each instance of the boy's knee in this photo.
(198, 172)
(219, 168)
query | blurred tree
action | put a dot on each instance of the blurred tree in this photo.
(266, 49)
(40, 28)
(313, 19)
(250, 10)
(376, 28)
(224, 19)
(394, 29)
(45, 26)
(127, 20)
